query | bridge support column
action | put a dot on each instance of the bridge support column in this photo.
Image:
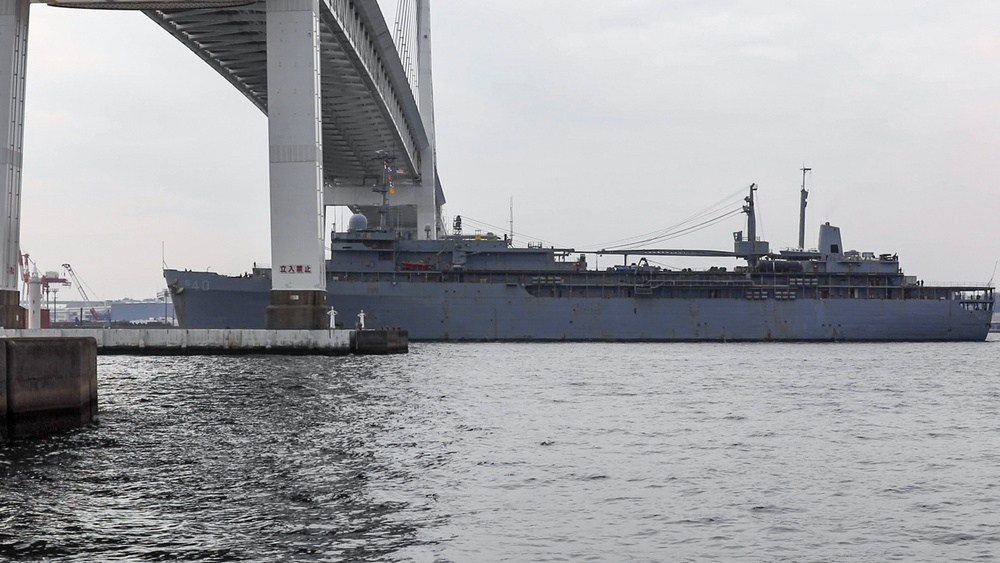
(13, 60)
(427, 209)
(298, 262)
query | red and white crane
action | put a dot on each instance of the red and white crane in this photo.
(28, 266)
(48, 283)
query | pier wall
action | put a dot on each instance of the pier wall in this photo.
(49, 385)
(386, 341)
(231, 341)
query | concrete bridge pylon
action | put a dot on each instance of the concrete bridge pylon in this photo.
(13, 63)
(295, 138)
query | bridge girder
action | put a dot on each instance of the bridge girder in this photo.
(367, 103)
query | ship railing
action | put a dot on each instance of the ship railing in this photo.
(959, 284)
(701, 283)
(569, 278)
(655, 280)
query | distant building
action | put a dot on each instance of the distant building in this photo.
(142, 311)
(123, 311)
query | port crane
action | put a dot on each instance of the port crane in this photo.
(28, 265)
(49, 280)
(94, 315)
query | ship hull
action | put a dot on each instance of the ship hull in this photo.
(463, 311)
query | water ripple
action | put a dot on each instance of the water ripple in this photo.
(518, 452)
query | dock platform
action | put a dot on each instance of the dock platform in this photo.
(173, 341)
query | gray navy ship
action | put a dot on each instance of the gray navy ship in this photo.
(481, 288)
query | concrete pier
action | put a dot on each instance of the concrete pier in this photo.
(231, 341)
(300, 310)
(47, 385)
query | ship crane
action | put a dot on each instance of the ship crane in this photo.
(83, 293)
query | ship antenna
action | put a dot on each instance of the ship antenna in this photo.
(510, 241)
(802, 210)
(994, 273)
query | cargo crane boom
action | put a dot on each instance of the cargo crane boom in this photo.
(83, 293)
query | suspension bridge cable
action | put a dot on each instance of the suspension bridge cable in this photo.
(402, 31)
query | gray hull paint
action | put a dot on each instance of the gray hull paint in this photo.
(479, 311)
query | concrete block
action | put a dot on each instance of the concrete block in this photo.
(51, 385)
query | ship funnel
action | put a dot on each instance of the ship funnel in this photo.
(829, 240)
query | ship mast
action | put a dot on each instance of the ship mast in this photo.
(751, 226)
(802, 210)
(385, 187)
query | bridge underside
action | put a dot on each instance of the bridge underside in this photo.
(366, 102)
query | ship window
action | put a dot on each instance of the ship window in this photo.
(834, 249)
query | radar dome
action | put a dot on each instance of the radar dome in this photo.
(358, 222)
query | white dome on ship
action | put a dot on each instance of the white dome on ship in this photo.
(357, 222)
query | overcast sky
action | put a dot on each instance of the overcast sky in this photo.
(602, 120)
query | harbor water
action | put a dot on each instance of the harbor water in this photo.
(525, 452)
